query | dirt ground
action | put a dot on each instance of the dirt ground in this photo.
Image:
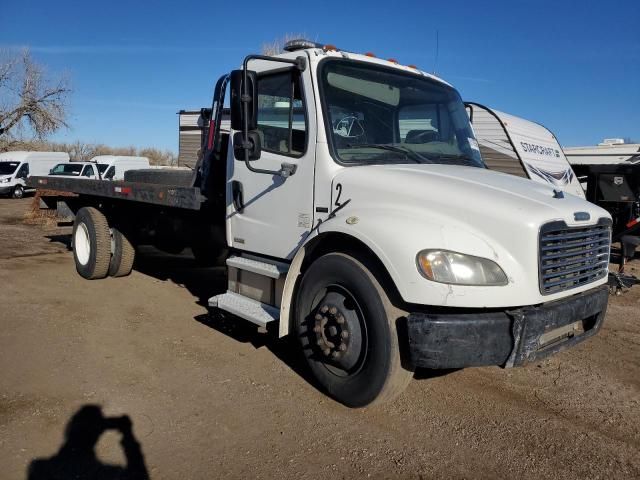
(210, 397)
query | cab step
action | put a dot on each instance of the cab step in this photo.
(255, 265)
(252, 310)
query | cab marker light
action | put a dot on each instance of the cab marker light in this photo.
(633, 222)
(370, 54)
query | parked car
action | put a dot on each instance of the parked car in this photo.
(16, 167)
(84, 170)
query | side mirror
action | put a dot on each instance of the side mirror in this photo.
(254, 146)
(50, 171)
(205, 113)
(237, 111)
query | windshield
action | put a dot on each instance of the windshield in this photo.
(379, 115)
(7, 168)
(67, 169)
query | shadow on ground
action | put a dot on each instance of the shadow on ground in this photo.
(76, 458)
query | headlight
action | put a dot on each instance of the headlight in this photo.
(459, 269)
(5, 180)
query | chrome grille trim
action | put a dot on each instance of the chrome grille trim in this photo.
(570, 257)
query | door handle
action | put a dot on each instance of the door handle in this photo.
(238, 197)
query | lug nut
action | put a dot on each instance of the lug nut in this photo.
(343, 347)
(340, 319)
(318, 317)
(335, 354)
(344, 334)
(324, 309)
(333, 310)
(317, 329)
(326, 351)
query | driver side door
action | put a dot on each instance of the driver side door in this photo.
(269, 214)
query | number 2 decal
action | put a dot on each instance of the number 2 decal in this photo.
(339, 190)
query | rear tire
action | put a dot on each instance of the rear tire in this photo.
(344, 321)
(91, 243)
(122, 256)
(18, 191)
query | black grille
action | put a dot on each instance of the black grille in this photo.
(573, 256)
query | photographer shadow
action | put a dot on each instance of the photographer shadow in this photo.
(77, 457)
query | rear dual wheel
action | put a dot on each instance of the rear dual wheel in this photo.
(345, 324)
(99, 250)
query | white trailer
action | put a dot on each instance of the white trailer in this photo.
(366, 225)
(17, 167)
(516, 146)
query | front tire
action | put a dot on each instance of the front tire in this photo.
(91, 243)
(345, 324)
(18, 191)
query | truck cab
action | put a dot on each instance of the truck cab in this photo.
(364, 165)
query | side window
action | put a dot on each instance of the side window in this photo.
(88, 171)
(109, 173)
(281, 114)
(24, 171)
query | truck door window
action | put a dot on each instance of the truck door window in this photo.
(24, 171)
(88, 171)
(281, 114)
(110, 173)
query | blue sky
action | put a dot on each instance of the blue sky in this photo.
(572, 66)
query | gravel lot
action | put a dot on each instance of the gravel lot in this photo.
(210, 397)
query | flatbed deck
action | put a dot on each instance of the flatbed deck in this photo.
(188, 198)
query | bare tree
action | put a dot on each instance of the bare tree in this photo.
(80, 151)
(31, 102)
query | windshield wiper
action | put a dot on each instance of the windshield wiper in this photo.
(408, 153)
(463, 158)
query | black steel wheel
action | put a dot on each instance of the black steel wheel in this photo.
(348, 335)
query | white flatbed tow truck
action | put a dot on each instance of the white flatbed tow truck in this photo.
(351, 206)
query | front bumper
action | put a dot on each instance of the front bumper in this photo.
(4, 190)
(507, 338)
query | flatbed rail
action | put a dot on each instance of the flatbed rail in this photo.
(188, 198)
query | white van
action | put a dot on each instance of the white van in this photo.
(85, 170)
(16, 167)
(112, 167)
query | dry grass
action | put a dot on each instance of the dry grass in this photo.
(44, 217)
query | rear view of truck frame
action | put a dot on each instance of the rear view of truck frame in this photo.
(352, 209)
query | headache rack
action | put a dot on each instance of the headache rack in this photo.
(570, 257)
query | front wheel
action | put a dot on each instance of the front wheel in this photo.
(18, 191)
(348, 334)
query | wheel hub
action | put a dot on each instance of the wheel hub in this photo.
(337, 331)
